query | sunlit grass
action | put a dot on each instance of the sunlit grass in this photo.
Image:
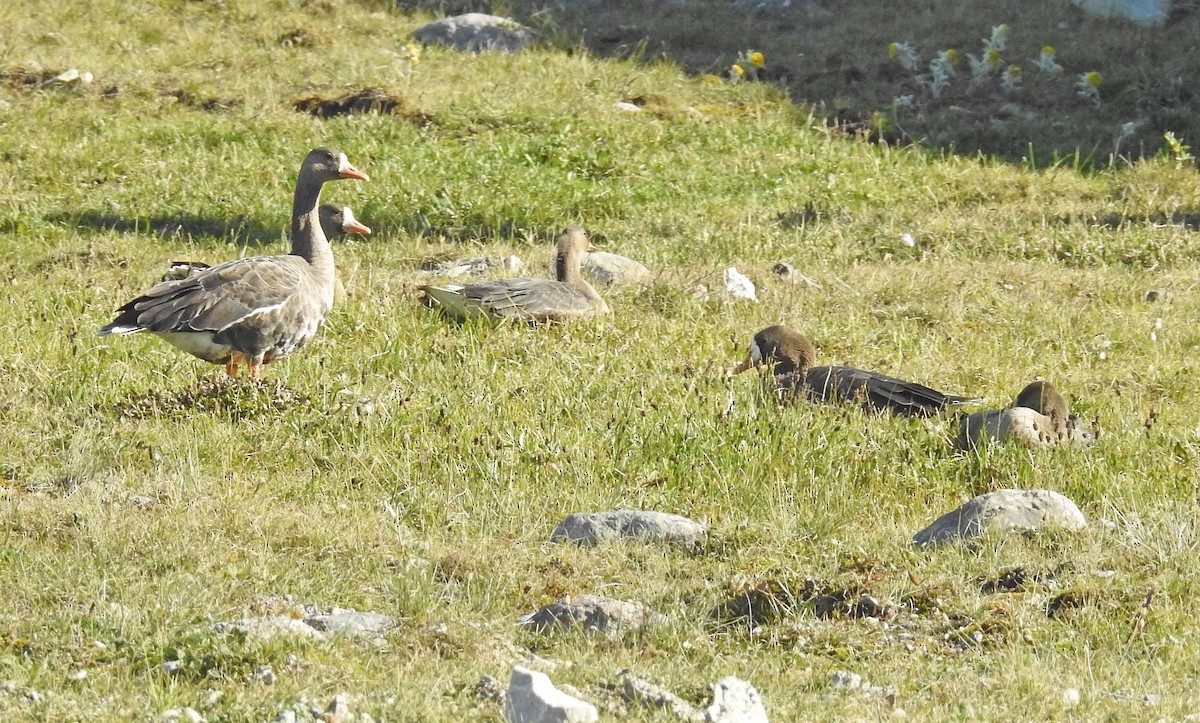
(416, 467)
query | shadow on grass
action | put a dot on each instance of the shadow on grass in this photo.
(836, 58)
(233, 399)
(184, 226)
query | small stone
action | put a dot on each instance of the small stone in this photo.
(351, 622)
(211, 698)
(269, 626)
(846, 679)
(9, 686)
(512, 263)
(1008, 509)
(627, 106)
(532, 698)
(590, 528)
(32, 695)
(192, 716)
(1071, 697)
(339, 706)
(79, 675)
(170, 666)
(489, 689)
(1153, 295)
(595, 614)
(143, 501)
(735, 701)
(265, 675)
(287, 715)
(738, 286)
(787, 272)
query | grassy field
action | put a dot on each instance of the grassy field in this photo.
(414, 467)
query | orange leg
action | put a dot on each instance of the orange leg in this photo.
(232, 369)
(256, 371)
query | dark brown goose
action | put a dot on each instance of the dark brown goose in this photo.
(254, 310)
(793, 375)
(336, 222)
(1039, 416)
(535, 300)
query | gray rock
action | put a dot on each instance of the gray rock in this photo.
(170, 666)
(596, 614)
(143, 501)
(845, 679)
(339, 706)
(601, 267)
(636, 690)
(265, 674)
(590, 528)
(1008, 509)
(735, 701)
(474, 32)
(269, 626)
(286, 715)
(532, 698)
(1023, 425)
(351, 622)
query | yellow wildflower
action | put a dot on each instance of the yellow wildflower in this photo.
(738, 70)
(1093, 78)
(993, 58)
(1049, 50)
(756, 59)
(1013, 71)
(893, 49)
(952, 56)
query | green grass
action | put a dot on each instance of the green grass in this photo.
(417, 468)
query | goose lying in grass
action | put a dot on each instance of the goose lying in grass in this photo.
(336, 222)
(254, 310)
(792, 356)
(533, 300)
(1038, 417)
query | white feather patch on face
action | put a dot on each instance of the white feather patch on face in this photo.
(343, 162)
(348, 218)
(755, 353)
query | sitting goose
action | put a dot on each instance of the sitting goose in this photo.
(535, 300)
(336, 222)
(793, 375)
(253, 310)
(1039, 416)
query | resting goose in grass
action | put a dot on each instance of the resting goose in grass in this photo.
(336, 222)
(1038, 417)
(533, 300)
(254, 310)
(793, 375)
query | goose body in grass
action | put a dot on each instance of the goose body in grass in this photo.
(792, 358)
(1038, 417)
(531, 300)
(336, 222)
(255, 310)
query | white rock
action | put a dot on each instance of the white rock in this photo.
(1071, 697)
(339, 706)
(474, 32)
(1009, 509)
(532, 698)
(627, 106)
(845, 679)
(604, 268)
(735, 701)
(286, 716)
(265, 675)
(738, 286)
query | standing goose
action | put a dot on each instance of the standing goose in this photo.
(336, 222)
(535, 300)
(1039, 416)
(793, 375)
(253, 310)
